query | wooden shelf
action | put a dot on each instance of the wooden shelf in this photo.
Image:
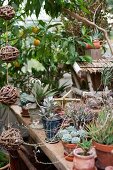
(54, 152)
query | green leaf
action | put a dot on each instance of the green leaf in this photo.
(88, 58)
(83, 30)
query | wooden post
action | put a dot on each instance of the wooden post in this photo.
(90, 82)
(75, 80)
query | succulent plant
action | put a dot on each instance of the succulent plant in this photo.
(75, 140)
(49, 108)
(71, 134)
(67, 138)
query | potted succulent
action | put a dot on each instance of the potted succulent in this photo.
(70, 138)
(39, 92)
(4, 161)
(25, 99)
(79, 114)
(52, 117)
(101, 131)
(93, 42)
(84, 156)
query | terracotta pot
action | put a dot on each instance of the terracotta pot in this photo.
(81, 162)
(68, 150)
(6, 167)
(96, 45)
(104, 155)
(25, 112)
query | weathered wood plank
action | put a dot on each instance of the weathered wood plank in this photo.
(54, 152)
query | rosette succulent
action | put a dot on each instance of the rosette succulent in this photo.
(71, 135)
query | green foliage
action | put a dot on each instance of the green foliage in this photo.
(85, 145)
(40, 92)
(3, 159)
(101, 130)
(107, 76)
(31, 6)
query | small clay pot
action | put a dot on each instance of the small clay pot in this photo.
(81, 162)
(96, 45)
(68, 150)
(25, 112)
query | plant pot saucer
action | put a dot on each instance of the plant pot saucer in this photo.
(68, 158)
(51, 141)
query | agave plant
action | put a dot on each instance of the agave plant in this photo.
(40, 92)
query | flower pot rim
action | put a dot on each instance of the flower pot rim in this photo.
(80, 150)
(103, 147)
(69, 145)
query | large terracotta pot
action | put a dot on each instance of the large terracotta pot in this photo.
(68, 150)
(104, 155)
(81, 162)
(96, 45)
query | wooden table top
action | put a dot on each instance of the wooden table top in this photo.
(54, 152)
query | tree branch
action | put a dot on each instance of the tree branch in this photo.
(86, 21)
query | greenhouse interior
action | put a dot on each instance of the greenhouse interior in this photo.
(56, 84)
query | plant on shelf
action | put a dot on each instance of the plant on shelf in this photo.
(92, 41)
(52, 117)
(101, 131)
(70, 138)
(26, 99)
(79, 114)
(40, 92)
(84, 155)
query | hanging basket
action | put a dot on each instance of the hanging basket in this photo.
(8, 95)
(11, 139)
(9, 53)
(7, 12)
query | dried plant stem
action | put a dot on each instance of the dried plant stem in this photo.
(6, 33)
